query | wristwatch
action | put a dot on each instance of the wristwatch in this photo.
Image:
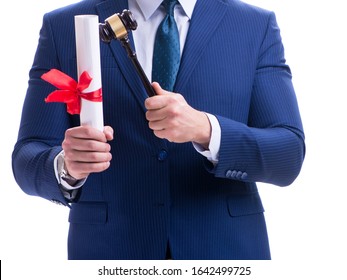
(64, 175)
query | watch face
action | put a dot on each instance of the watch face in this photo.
(65, 180)
(63, 174)
(60, 162)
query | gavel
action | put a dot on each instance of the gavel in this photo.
(117, 27)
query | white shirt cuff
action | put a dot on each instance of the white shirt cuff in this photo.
(212, 153)
(63, 183)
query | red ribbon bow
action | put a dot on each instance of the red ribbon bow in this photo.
(70, 92)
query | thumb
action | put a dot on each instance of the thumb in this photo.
(159, 90)
(108, 133)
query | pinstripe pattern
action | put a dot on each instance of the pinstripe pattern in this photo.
(232, 66)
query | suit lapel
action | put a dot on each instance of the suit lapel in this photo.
(206, 17)
(106, 9)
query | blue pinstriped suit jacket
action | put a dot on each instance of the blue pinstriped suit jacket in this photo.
(156, 192)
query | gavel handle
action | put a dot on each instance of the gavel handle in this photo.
(149, 89)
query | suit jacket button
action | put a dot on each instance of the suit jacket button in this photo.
(56, 202)
(244, 176)
(162, 155)
(228, 174)
(239, 175)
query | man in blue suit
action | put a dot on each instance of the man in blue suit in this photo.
(178, 180)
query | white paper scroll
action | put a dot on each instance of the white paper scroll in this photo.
(88, 59)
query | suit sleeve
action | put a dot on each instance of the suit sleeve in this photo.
(270, 148)
(42, 127)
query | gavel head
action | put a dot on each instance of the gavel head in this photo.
(117, 26)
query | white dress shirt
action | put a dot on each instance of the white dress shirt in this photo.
(149, 15)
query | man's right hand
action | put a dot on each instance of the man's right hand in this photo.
(86, 150)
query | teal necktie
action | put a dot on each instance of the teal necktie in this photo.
(166, 54)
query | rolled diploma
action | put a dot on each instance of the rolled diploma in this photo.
(88, 59)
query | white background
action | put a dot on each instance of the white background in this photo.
(306, 221)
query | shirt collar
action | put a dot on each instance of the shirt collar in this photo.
(148, 7)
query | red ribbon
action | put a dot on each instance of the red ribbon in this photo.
(70, 92)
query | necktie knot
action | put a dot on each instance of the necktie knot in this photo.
(169, 6)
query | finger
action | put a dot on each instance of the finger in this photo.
(84, 169)
(157, 88)
(89, 157)
(168, 134)
(86, 145)
(155, 103)
(156, 115)
(160, 99)
(85, 132)
(156, 125)
(108, 131)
